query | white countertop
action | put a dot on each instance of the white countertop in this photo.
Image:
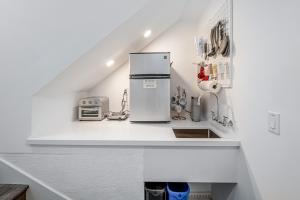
(125, 133)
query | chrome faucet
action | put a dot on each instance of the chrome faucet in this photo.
(225, 122)
(230, 123)
(216, 116)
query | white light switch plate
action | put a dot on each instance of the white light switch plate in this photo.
(274, 122)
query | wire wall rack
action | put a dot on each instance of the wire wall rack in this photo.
(224, 13)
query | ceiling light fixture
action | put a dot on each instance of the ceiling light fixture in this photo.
(147, 33)
(110, 63)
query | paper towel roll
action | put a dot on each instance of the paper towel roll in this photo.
(210, 86)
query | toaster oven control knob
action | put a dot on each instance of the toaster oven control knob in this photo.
(83, 102)
(90, 102)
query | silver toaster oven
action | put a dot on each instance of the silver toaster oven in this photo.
(93, 108)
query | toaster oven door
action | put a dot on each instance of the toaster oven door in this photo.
(90, 113)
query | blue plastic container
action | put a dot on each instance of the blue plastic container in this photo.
(178, 191)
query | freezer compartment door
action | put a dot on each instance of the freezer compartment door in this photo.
(149, 100)
(149, 63)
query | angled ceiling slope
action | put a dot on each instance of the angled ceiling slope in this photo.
(40, 39)
(90, 68)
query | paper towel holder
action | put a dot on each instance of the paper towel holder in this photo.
(212, 86)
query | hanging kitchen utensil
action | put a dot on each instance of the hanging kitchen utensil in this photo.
(226, 53)
(205, 50)
(217, 36)
(212, 40)
(224, 45)
(215, 39)
(225, 41)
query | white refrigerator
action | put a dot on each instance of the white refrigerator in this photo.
(150, 87)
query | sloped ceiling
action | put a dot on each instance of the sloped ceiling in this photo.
(196, 9)
(90, 68)
(39, 39)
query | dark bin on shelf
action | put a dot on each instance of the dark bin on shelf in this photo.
(178, 191)
(155, 191)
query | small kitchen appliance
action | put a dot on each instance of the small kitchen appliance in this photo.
(93, 108)
(124, 113)
(150, 87)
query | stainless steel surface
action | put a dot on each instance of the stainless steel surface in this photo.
(149, 87)
(216, 118)
(225, 121)
(150, 104)
(93, 101)
(195, 109)
(230, 123)
(195, 133)
(93, 108)
(150, 63)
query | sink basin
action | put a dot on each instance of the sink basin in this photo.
(194, 133)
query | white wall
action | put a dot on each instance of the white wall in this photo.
(39, 39)
(52, 115)
(113, 87)
(266, 70)
(179, 41)
(88, 173)
(246, 188)
(10, 174)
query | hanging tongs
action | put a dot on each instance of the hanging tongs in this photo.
(224, 49)
(213, 50)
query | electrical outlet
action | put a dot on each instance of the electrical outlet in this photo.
(274, 122)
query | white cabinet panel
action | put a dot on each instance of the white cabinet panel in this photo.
(206, 164)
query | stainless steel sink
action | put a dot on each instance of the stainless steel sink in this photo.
(194, 133)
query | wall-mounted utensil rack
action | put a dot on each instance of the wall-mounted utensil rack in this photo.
(225, 64)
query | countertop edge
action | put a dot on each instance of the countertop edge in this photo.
(145, 143)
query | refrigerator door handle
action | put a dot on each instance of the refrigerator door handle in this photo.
(149, 76)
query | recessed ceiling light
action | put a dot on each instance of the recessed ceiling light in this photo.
(147, 33)
(110, 63)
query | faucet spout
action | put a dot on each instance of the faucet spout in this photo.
(218, 114)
